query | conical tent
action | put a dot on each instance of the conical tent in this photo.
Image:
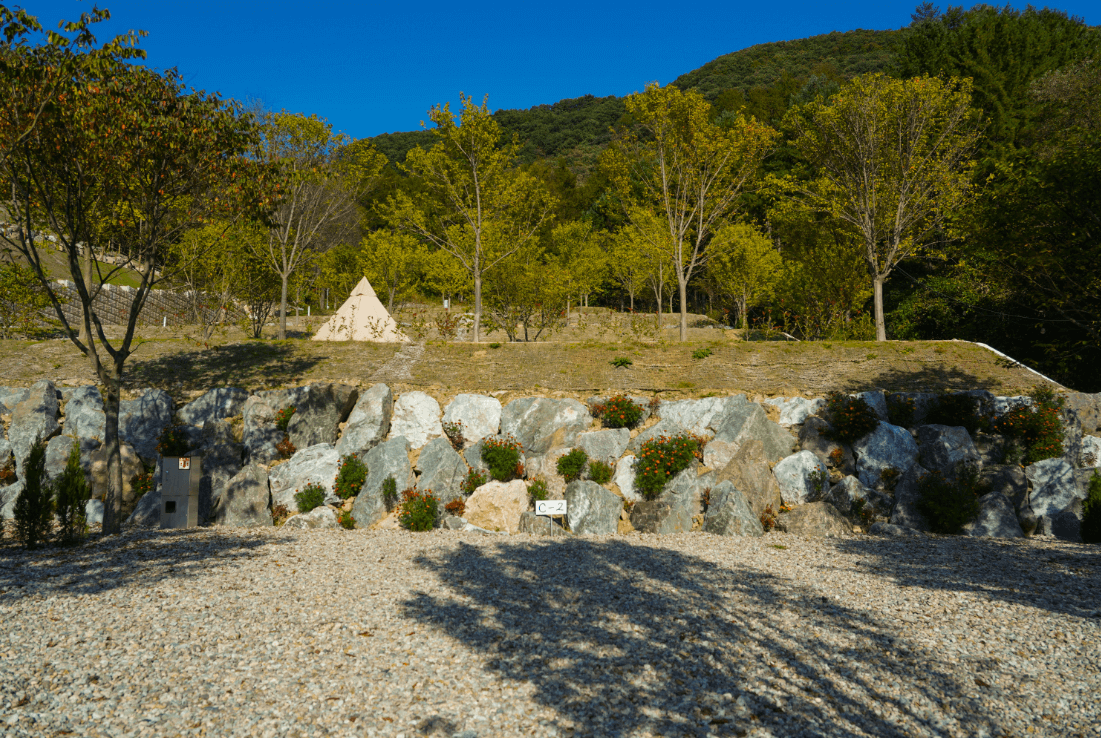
(362, 317)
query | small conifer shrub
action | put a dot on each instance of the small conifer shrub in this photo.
(389, 493)
(949, 504)
(34, 507)
(538, 489)
(73, 493)
(600, 472)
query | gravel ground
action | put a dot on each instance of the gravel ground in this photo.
(300, 633)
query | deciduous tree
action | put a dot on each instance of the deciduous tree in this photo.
(745, 265)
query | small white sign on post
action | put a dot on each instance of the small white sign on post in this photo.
(550, 507)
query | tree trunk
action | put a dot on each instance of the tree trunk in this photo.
(880, 323)
(683, 286)
(283, 310)
(632, 294)
(88, 281)
(657, 308)
(112, 508)
(477, 306)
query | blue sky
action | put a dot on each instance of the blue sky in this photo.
(373, 68)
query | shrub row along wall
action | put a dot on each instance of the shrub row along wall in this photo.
(113, 302)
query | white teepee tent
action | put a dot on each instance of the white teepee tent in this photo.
(362, 317)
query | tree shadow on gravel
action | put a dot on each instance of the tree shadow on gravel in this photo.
(250, 364)
(104, 564)
(1058, 577)
(620, 639)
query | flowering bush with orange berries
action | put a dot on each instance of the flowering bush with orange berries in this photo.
(419, 510)
(1039, 428)
(618, 412)
(662, 458)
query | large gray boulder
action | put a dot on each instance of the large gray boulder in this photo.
(996, 519)
(442, 470)
(319, 413)
(480, 416)
(802, 478)
(215, 404)
(142, 419)
(540, 525)
(815, 520)
(946, 449)
(743, 423)
(729, 513)
(33, 420)
(320, 517)
(663, 428)
(814, 437)
(1054, 487)
(147, 511)
(8, 496)
(887, 447)
(893, 531)
(750, 473)
(604, 445)
(259, 434)
(796, 410)
(472, 455)
(57, 455)
(93, 512)
(386, 460)
(543, 423)
(680, 501)
(314, 465)
(221, 464)
(498, 506)
(849, 493)
(703, 417)
(924, 404)
(1072, 434)
(877, 401)
(591, 509)
(1088, 407)
(12, 396)
(243, 502)
(368, 423)
(1008, 480)
(907, 496)
(625, 478)
(84, 416)
(417, 418)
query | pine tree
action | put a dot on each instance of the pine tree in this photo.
(34, 507)
(73, 492)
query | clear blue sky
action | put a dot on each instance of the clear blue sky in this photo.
(377, 67)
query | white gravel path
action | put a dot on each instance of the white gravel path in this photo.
(307, 633)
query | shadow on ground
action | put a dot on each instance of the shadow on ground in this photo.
(250, 364)
(623, 639)
(928, 379)
(106, 563)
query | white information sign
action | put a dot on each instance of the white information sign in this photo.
(550, 507)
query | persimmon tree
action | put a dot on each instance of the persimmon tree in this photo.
(319, 178)
(891, 159)
(123, 154)
(481, 209)
(690, 173)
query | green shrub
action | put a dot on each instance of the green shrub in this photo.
(852, 418)
(419, 510)
(701, 353)
(172, 441)
(538, 490)
(309, 498)
(900, 411)
(502, 456)
(474, 480)
(956, 410)
(347, 522)
(73, 493)
(572, 465)
(950, 504)
(350, 477)
(621, 362)
(1091, 512)
(600, 472)
(35, 505)
(143, 483)
(1039, 428)
(389, 493)
(283, 418)
(618, 412)
(495, 345)
(660, 459)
